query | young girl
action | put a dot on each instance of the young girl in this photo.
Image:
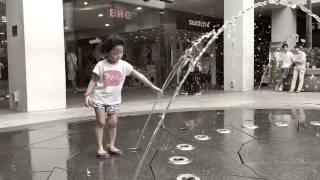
(104, 92)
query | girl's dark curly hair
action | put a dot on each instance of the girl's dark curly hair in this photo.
(112, 41)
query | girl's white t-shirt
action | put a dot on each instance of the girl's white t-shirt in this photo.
(110, 83)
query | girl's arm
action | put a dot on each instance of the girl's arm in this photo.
(91, 86)
(146, 82)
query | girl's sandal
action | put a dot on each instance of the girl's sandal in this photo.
(117, 153)
(102, 156)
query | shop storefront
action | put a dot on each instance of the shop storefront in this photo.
(155, 38)
(191, 27)
(3, 57)
(88, 24)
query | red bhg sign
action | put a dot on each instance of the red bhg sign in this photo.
(120, 14)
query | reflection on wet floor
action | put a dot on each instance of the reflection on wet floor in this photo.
(261, 144)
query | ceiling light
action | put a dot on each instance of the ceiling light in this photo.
(107, 25)
(1, 33)
(85, 3)
(100, 15)
(139, 8)
(4, 19)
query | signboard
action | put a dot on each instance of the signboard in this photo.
(95, 41)
(195, 22)
(120, 14)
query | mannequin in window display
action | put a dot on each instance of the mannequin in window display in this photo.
(192, 84)
(151, 70)
(185, 85)
(150, 65)
(1, 70)
(91, 63)
(97, 54)
(205, 74)
(146, 65)
(195, 85)
(144, 55)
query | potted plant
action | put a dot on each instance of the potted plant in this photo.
(312, 56)
(317, 56)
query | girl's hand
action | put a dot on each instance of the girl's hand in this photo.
(88, 101)
(157, 91)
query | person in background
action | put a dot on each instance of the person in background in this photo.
(299, 61)
(285, 63)
(72, 69)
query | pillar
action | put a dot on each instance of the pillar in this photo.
(239, 47)
(284, 26)
(36, 55)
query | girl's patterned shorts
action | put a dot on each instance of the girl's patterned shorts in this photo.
(109, 109)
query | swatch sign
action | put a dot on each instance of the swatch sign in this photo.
(199, 23)
(194, 22)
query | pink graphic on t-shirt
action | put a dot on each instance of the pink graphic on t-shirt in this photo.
(112, 78)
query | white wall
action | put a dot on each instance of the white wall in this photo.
(284, 25)
(239, 47)
(36, 56)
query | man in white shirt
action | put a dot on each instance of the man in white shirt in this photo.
(285, 63)
(299, 68)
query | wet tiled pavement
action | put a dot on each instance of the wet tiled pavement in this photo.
(61, 151)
